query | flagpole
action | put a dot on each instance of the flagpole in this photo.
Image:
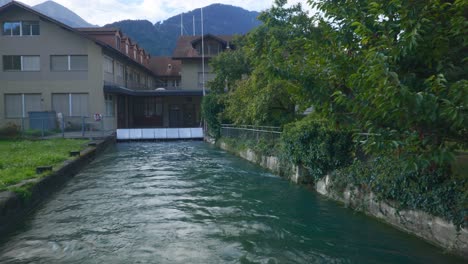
(182, 24)
(203, 53)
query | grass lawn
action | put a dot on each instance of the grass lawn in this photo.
(19, 158)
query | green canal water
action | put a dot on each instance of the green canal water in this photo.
(188, 202)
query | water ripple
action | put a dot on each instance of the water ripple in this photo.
(187, 202)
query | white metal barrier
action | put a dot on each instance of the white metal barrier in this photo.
(159, 133)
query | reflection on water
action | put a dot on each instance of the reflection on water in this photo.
(187, 202)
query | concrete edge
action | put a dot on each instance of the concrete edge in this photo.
(13, 208)
(432, 229)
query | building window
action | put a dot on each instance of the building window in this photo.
(153, 106)
(150, 82)
(211, 48)
(21, 63)
(126, 48)
(120, 70)
(108, 65)
(175, 83)
(19, 105)
(134, 54)
(141, 58)
(21, 28)
(30, 28)
(109, 100)
(70, 104)
(69, 63)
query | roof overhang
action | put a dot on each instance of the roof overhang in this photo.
(115, 89)
(208, 36)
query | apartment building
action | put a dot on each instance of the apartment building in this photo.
(47, 66)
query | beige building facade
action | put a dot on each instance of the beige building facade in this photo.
(40, 70)
(97, 74)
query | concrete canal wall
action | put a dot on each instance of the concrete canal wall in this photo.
(433, 229)
(13, 207)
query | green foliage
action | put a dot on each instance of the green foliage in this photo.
(428, 190)
(19, 158)
(264, 95)
(260, 101)
(317, 146)
(393, 72)
(229, 66)
(264, 145)
(398, 69)
(211, 108)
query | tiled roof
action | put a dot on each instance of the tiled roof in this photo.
(100, 33)
(160, 66)
(184, 47)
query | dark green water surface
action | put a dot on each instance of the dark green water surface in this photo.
(188, 202)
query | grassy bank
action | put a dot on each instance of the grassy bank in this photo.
(19, 158)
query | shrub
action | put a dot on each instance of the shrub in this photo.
(317, 147)
(432, 191)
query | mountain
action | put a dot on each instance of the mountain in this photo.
(57, 12)
(160, 39)
(62, 14)
(4, 2)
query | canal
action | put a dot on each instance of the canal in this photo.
(188, 202)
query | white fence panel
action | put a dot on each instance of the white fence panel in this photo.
(147, 133)
(159, 133)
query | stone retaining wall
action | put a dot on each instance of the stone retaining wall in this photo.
(13, 208)
(433, 229)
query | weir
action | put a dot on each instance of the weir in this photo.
(159, 133)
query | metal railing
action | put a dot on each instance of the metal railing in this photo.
(254, 133)
(52, 126)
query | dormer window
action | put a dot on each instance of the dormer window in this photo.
(169, 67)
(134, 54)
(211, 48)
(126, 48)
(141, 58)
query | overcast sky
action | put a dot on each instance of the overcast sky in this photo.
(101, 12)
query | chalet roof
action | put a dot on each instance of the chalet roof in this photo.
(160, 66)
(185, 45)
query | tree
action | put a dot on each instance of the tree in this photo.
(266, 94)
(229, 67)
(407, 80)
